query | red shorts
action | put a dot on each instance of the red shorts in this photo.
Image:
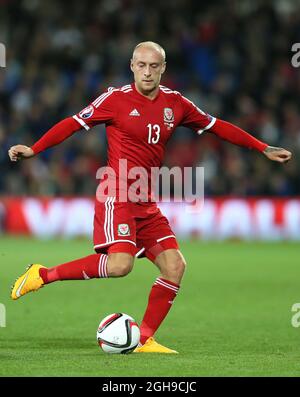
(139, 229)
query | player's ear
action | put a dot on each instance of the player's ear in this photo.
(164, 67)
(131, 64)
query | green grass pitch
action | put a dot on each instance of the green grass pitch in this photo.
(232, 316)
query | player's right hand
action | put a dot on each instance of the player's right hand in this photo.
(19, 152)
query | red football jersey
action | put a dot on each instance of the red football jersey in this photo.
(137, 127)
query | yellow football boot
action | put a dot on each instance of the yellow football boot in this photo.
(29, 281)
(151, 346)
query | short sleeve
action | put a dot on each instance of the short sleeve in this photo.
(101, 110)
(195, 118)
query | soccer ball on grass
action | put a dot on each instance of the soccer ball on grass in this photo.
(118, 333)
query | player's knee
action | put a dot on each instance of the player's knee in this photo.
(124, 268)
(174, 269)
(178, 266)
(120, 265)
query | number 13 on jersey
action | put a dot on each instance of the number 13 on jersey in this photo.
(153, 133)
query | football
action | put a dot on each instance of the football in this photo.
(118, 333)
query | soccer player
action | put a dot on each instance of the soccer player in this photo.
(140, 118)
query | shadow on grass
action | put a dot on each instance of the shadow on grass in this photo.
(48, 343)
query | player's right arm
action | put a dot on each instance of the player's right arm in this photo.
(58, 133)
(100, 111)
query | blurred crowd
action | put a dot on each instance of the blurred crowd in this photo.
(231, 58)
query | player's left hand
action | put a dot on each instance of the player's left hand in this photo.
(277, 154)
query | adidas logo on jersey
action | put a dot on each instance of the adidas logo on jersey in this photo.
(134, 112)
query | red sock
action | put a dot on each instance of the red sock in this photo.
(160, 301)
(92, 266)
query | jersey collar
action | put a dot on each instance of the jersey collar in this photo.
(143, 96)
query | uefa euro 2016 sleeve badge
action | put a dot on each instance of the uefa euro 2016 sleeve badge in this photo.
(87, 112)
(169, 118)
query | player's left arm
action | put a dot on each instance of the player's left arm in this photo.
(277, 154)
(238, 136)
(199, 121)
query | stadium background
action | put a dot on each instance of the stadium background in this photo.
(233, 59)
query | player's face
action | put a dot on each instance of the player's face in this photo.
(147, 66)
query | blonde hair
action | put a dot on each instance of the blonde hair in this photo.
(153, 45)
